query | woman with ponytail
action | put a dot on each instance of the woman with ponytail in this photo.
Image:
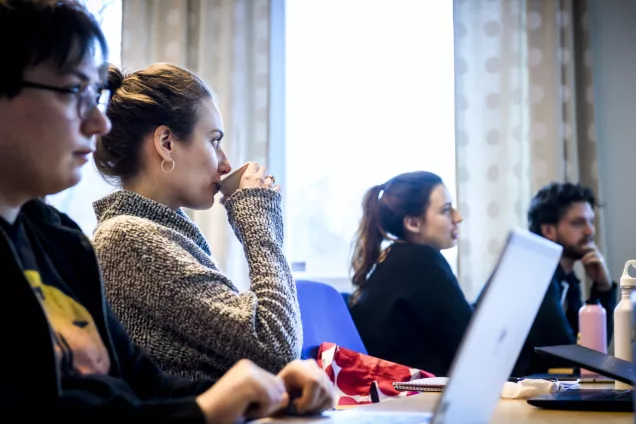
(407, 303)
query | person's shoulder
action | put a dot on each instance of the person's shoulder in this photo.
(131, 228)
(139, 237)
(420, 261)
(416, 254)
(38, 211)
(121, 223)
(410, 261)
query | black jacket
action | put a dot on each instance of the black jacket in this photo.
(135, 390)
(412, 310)
(555, 326)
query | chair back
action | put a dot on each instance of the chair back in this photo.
(325, 318)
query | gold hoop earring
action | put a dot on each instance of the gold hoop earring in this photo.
(171, 169)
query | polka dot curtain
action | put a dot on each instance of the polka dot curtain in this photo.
(226, 42)
(524, 117)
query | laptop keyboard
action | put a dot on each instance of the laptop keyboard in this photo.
(376, 417)
(393, 419)
(596, 394)
(622, 395)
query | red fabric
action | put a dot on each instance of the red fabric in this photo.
(360, 379)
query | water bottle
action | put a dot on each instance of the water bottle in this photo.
(623, 321)
(634, 333)
(592, 329)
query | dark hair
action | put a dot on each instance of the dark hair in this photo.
(552, 202)
(160, 94)
(33, 32)
(383, 211)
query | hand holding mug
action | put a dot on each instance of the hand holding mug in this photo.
(254, 176)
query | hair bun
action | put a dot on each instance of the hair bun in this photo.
(115, 78)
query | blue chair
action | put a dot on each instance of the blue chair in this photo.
(325, 318)
(346, 297)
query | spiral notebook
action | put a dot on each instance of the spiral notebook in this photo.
(432, 384)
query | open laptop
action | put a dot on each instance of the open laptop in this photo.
(493, 340)
(581, 399)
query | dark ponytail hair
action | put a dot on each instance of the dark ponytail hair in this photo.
(383, 211)
(368, 237)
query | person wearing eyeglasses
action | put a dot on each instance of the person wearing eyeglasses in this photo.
(65, 355)
(87, 95)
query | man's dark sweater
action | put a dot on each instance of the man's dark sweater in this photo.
(412, 310)
(556, 325)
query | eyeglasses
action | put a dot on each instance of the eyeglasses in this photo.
(88, 97)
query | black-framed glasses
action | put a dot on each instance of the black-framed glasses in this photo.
(88, 97)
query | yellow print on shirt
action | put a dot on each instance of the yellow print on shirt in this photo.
(78, 345)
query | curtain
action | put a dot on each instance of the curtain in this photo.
(524, 117)
(226, 43)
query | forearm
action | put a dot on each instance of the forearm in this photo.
(603, 287)
(141, 373)
(608, 299)
(96, 401)
(256, 217)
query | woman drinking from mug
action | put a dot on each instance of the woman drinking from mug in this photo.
(165, 150)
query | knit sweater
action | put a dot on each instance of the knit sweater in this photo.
(174, 301)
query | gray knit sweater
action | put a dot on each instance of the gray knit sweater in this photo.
(163, 284)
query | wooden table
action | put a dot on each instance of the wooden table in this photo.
(507, 412)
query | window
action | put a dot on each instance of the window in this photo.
(77, 201)
(369, 95)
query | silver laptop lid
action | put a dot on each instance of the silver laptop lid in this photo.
(498, 329)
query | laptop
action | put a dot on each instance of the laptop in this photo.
(576, 399)
(491, 345)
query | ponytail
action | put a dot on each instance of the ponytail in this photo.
(368, 240)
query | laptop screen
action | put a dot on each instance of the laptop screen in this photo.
(499, 328)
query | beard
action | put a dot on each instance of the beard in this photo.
(572, 252)
(575, 251)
